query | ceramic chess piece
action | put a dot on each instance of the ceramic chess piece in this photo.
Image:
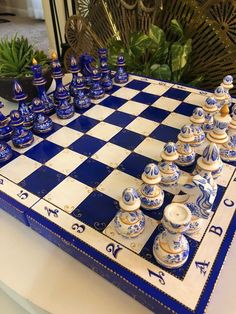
(227, 84)
(221, 122)
(106, 80)
(85, 64)
(129, 221)
(96, 90)
(151, 195)
(169, 171)
(228, 149)
(64, 109)
(184, 149)
(74, 70)
(21, 137)
(42, 123)
(81, 100)
(219, 95)
(171, 248)
(39, 82)
(197, 120)
(232, 124)
(201, 197)
(5, 151)
(5, 129)
(121, 76)
(210, 161)
(210, 109)
(24, 109)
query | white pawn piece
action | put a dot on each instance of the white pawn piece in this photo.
(197, 120)
(227, 84)
(220, 95)
(169, 171)
(210, 161)
(171, 248)
(232, 124)
(185, 151)
(210, 108)
(129, 221)
(221, 122)
(228, 150)
(150, 193)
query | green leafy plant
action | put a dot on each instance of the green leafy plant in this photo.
(153, 55)
(16, 55)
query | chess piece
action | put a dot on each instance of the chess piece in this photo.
(228, 149)
(184, 149)
(81, 100)
(64, 109)
(106, 80)
(96, 90)
(151, 195)
(200, 200)
(169, 171)
(5, 151)
(219, 95)
(221, 122)
(85, 64)
(232, 124)
(42, 123)
(210, 108)
(5, 129)
(227, 84)
(24, 109)
(129, 221)
(74, 69)
(121, 76)
(21, 137)
(197, 120)
(210, 161)
(171, 248)
(39, 82)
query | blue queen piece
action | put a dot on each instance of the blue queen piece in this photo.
(42, 123)
(64, 109)
(121, 76)
(5, 129)
(5, 152)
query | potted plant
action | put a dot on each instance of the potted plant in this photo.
(16, 55)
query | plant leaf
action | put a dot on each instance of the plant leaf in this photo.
(176, 28)
(162, 71)
(156, 34)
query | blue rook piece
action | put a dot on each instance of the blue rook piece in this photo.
(42, 123)
(121, 75)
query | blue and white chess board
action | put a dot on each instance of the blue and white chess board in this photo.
(66, 186)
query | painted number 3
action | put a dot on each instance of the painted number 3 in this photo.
(78, 228)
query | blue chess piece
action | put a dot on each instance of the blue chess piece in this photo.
(64, 109)
(21, 137)
(20, 96)
(39, 82)
(5, 129)
(121, 75)
(42, 123)
(106, 80)
(81, 100)
(96, 91)
(74, 69)
(85, 64)
(5, 151)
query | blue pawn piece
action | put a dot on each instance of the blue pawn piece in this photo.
(103, 55)
(64, 109)
(5, 152)
(81, 100)
(21, 137)
(121, 75)
(74, 69)
(106, 80)
(42, 123)
(27, 114)
(96, 91)
(5, 129)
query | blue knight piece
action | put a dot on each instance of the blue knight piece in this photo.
(39, 82)
(197, 120)
(210, 109)
(21, 137)
(96, 91)
(5, 129)
(5, 151)
(85, 64)
(42, 123)
(64, 109)
(81, 100)
(151, 195)
(24, 109)
(121, 75)
(74, 69)
(129, 221)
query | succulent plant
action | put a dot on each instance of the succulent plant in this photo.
(16, 56)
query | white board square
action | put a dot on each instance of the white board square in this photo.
(150, 148)
(99, 112)
(176, 120)
(64, 136)
(156, 89)
(142, 126)
(166, 103)
(126, 93)
(196, 99)
(133, 107)
(104, 131)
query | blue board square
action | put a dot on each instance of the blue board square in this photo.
(56, 127)
(175, 93)
(91, 172)
(155, 114)
(81, 111)
(135, 84)
(219, 197)
(42, 181)
(14, 156)
(127, 139)
(145, 98)
(87, 145)
(120, 118)
(97, 210)
(185, 109)
(134, 164)
(82, 124)
(113, 102)
(43, 151)
(113, 90)
(192, 167)
(165, 133)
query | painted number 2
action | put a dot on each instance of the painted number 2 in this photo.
(113, 249)
(22, 195)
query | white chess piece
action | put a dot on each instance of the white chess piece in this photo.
(210, 109)
(197, 120)
(184, 149)
(232, 124)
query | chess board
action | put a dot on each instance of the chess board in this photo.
(66, 186)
